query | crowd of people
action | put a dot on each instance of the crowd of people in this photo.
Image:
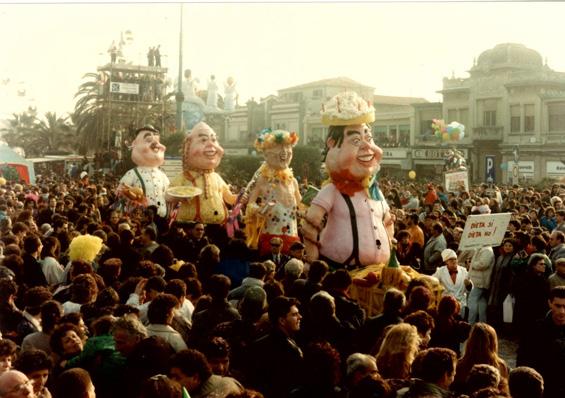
(95, 302)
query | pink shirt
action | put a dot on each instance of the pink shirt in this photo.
(337, 239)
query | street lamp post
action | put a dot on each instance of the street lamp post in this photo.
(179, 95)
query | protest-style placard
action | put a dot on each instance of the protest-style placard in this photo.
(456, 181)
(484, 230)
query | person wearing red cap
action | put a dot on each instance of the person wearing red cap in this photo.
(431, 196)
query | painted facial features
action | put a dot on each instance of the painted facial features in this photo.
(358, 153)
(204, 151)
(147, 150)
(279, 156)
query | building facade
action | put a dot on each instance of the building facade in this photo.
(512, 105)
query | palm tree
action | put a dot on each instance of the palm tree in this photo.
(39, 136)
(54, 133)
(20, 131)
(88, 115)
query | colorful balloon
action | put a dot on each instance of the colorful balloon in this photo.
(412, 174)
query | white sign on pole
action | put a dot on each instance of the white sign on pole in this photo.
(484, 230)
(124, 88)
(457, 180)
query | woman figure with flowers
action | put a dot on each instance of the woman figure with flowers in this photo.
(277, 188)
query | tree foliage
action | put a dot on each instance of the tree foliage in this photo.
(173, 142)
(39, 136)
(88, 115)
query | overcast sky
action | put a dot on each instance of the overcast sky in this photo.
(402, 49)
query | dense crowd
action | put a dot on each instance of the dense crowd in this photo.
(96, 302)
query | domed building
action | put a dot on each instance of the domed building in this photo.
(513, 107)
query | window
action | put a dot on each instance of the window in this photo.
(316, 137)
(380, 133)
(295, 97)
(556, 113)
(489, 118)
(426, 127)
(404, 138)
(529, 118)
(318, 93)
(392, 134)
(451, 115)
(243, 136)
(514, 119)
(464, 116)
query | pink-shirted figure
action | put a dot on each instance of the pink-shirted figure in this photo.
(359, 225)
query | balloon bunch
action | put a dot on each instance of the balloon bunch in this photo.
(453, 132)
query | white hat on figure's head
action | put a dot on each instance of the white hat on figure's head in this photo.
(347, 109)
(448, 254)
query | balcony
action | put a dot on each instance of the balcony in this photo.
(488, 133)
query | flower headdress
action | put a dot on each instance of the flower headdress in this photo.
(268, 138)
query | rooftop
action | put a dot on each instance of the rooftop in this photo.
(334, 81)
(392, 100)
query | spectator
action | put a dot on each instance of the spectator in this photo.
(15, 384)
(450, 331)
(218, 311)
(36, 365)
(371, 333)
(541, 348)
(480, 272)
(160, 316)
(191, 369)
(74, 383)
(525, 382)
(530, 290)
(7, 354)
(481, 348)
(54, 272)
(558, 277)
(277, 378)
(433, 248)
(453, 277)
(397, 351)
(433, 371)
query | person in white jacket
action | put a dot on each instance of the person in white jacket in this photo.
(454, 278)
(480, 272)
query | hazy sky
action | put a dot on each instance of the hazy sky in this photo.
(402, 49)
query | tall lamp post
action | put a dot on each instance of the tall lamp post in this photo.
(179, 95)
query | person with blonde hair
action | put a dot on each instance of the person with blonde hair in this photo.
(397, 352)
(481, 348)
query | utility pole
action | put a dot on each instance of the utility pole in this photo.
(179, 95)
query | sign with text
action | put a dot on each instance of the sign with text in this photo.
(555, 168)
(456, 181)
(484, 230)
(489, 169)
(441, 153)
(395, 153)
(525, 167)
(124, 88)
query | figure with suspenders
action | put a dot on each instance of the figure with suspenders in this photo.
(145, 184)
(358, 225)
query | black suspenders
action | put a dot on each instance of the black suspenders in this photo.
(353, 217)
